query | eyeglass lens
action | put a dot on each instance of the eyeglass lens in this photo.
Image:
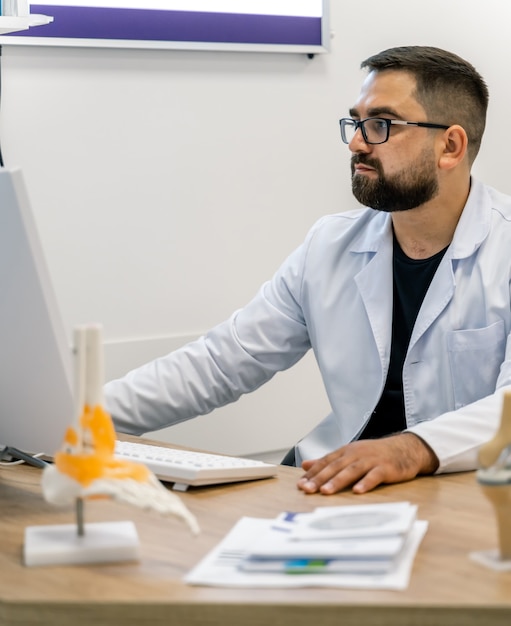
(374, 130)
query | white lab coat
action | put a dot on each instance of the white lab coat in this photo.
(334, 295)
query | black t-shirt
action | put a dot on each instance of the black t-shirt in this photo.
(412, 278)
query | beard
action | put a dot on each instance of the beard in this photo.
(413, 186)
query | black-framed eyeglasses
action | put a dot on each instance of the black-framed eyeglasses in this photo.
(376, 129)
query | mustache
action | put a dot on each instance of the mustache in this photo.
(363, 159)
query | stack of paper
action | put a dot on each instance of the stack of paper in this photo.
(371, 546)
(356, 539)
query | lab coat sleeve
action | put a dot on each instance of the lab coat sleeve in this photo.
(266, 336)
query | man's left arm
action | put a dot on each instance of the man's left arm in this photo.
(449, 443)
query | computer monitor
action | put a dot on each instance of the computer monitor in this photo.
(36, 382)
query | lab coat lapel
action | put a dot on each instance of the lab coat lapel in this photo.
(438, 296)
(473, 228)
(375, 286)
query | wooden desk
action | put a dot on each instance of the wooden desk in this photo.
(446, 587)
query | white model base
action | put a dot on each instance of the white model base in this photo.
(103, 542)
(491, 559)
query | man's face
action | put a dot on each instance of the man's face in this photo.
(401, 173)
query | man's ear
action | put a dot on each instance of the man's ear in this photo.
(453, 147)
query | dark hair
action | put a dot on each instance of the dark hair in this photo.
(448, 87)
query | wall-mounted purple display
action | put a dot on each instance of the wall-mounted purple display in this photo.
(299, 26)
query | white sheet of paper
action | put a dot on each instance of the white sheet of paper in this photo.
(362, 520)
(274, 543)
(219, 568)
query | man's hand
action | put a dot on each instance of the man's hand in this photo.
(367, 463)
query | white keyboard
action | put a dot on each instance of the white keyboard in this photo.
(185, 468)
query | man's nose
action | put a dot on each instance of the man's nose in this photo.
(358, 143)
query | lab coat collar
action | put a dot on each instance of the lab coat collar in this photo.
(474, 223)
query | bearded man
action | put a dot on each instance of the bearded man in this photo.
(405, 301)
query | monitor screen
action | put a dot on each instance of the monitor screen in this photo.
(36, 384)
(255, 25)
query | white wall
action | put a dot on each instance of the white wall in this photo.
(169, 185)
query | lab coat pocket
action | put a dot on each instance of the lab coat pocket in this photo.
(475, 357)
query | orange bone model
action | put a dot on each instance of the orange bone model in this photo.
(86, 466)
(90, 456)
